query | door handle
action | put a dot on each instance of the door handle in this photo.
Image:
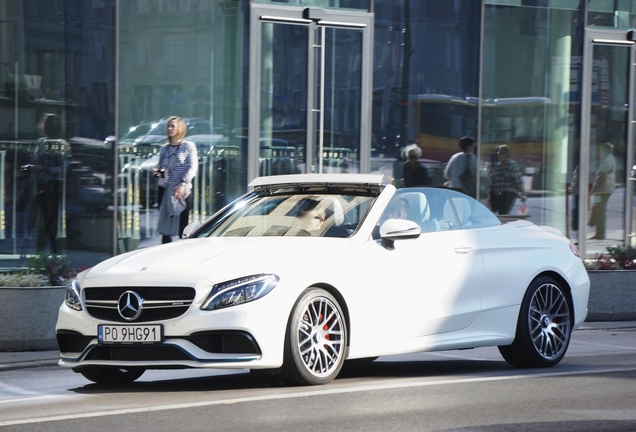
(463, 250)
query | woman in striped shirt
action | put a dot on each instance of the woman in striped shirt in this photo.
(178, 164)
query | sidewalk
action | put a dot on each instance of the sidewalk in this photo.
(28, 359)
(31, 359)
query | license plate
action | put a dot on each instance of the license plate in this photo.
(117, 334)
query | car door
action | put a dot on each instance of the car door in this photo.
(428, 285)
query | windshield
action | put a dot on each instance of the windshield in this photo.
(159, 129)
(137, 131)
(303, 214)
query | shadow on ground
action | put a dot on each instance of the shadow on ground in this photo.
(353, 370)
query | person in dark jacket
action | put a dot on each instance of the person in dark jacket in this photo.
(414, 173)
(506, 183)
(46, 179)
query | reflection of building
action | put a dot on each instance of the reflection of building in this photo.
(59, 47)
(283, 88)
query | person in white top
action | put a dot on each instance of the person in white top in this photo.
(461, 169)
(602, 188)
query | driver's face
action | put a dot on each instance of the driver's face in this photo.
(312, 220)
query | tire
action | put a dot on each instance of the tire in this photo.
(316, 339)
(111, 375)
(544, 327)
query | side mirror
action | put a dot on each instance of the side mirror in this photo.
(190, 228)
(109, 141)
(398, 229)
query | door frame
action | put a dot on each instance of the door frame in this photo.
(260, 13)
(608, 38)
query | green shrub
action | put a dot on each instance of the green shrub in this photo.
(624, 256)
(53, 266)
(615, 258)
(23, 280)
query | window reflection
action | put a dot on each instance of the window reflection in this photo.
(57, 108)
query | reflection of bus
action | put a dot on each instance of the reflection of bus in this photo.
(440, 120)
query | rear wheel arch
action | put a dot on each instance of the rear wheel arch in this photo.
(563, 284)
(544, 324)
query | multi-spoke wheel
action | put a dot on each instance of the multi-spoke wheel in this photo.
(111, 375)
(316, 339)
(544, 326)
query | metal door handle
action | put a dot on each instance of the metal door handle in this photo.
(463, 250)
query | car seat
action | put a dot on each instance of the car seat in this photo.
(462, 207)
(420, 211)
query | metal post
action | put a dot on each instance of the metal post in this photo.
(3, 155)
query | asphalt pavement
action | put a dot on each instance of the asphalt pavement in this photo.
(32, 359)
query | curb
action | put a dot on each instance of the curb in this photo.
(28, 364)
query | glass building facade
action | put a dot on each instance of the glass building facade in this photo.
(273, 87)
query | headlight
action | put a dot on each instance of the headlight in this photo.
(239, 291)
(72, 297)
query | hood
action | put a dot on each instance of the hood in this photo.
(151, 139)
(207, 258)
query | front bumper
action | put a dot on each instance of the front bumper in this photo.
(248, 336)
(580, 286)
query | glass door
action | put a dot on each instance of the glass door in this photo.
(309, 91)
(607, 143)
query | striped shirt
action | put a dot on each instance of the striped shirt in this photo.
(180, 162)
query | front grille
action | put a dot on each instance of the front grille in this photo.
(72, 341)
(148, 293)
(159, 303)
(225, 342)
(137, 353)
(111, 314)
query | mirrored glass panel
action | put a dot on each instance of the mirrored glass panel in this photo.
(57, 87)
(311, 90)
(181, 59)
(620, 14)
(608, 147)
(284, 69)
(338, 107)
(425, 82)
(530, 104)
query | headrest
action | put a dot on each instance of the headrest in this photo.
(332, 205)
(462, 206)
(418, 202)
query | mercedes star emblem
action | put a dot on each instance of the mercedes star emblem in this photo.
(129, 305)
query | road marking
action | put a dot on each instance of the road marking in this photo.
(22, 399)
(600, 345)
(320, 392)
(17, 390)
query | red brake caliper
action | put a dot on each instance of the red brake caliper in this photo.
(325, 328)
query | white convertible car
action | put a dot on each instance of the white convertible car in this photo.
(308, 271)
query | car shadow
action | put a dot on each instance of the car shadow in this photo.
(354, 369)
(419, 369)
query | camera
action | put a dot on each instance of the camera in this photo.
(161, 173)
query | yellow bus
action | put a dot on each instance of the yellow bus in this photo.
(440, 120)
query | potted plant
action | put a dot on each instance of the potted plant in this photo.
(612, 284)
(29, 301)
